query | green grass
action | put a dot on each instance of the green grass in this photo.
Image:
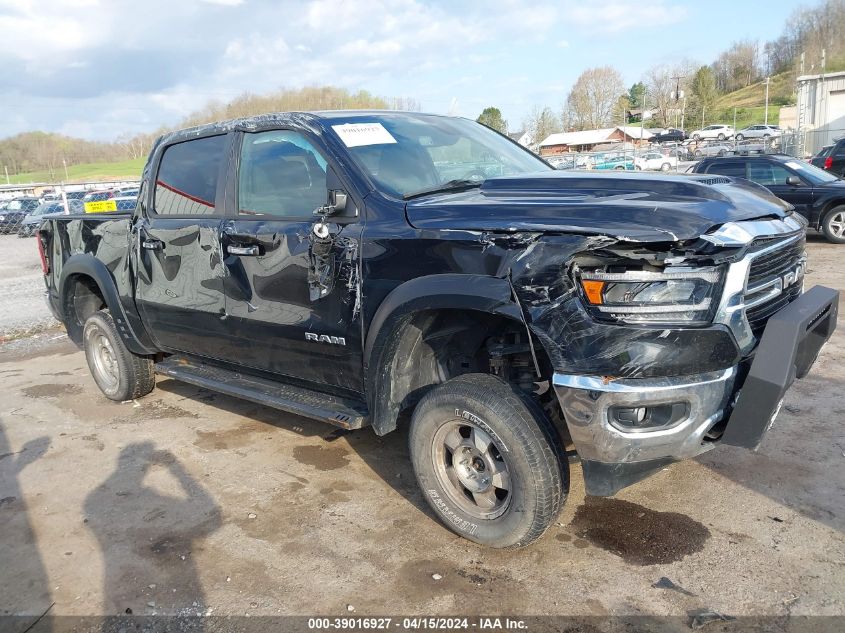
(745, 116)
(127, 169)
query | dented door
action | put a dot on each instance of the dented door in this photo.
(292, 299)
(176, 246)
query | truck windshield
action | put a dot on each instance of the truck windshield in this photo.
(410, 155)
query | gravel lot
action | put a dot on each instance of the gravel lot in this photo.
(189, 502)
(22, 310)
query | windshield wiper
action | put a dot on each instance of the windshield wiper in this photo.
(452, 185)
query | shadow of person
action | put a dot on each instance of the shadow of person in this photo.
(150, 518)
(24, 585)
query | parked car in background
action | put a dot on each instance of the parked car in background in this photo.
(754, 146)
(561, 162)
(720, 132)
(127, 193)
(618, 162)
(816, 194)
(33, 220)
(758, 131)
(712, 149)
(669, 135)
(655, 161)
(831, 158)
(15, 212)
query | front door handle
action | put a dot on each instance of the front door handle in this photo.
(152, 245)
(245, 251)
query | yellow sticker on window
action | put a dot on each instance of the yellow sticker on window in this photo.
(100, 206)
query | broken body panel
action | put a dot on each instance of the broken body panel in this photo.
(357, 312)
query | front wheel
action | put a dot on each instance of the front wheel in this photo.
(486, 458)
(721, 136)
(120, 374)
(696, 137)
(665, 167)
(833, 225)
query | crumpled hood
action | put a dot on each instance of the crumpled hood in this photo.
(638, 207)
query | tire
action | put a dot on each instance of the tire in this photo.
(721, 136)
(665, 167)
(697, 153)
(739, 137)
(833, 225)
(722, 152)
(498, 429)
(120, 374)
(619, 168)
(696, 137)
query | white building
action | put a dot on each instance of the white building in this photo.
(821, 109)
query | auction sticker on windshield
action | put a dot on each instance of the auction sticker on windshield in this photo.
(358, 134)
(100, 206)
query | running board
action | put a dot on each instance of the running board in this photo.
(343, 412)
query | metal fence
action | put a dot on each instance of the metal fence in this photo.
(22, 206)
(798, 143)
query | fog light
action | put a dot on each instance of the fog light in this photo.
(649, 418)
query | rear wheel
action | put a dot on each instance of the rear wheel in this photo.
(833, 225)
(721, 136)
(696, 137)
(665, 167)
(120, 374)
(486, 459)
(739, 137)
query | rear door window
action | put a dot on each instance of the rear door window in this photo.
(187, 177)
(733, 168)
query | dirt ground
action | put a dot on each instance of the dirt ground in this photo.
(189, 502)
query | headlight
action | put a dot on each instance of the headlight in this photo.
(684, 296)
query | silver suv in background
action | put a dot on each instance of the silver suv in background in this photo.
(758, 131)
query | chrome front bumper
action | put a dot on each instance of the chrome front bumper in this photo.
(586, 400)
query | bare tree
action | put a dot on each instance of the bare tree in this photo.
(662, 84)
(541, 122)
(738, 67)
(592, 102)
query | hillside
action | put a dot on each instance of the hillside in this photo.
(781, 92)
(127, 169)
(750, 103)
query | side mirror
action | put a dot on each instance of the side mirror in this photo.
(793, 181)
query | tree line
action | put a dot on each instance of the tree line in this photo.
(42, 151)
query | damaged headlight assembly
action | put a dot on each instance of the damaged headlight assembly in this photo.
(674, 296)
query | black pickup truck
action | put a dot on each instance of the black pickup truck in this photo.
(395, 269)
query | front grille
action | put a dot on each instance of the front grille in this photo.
(769, 267)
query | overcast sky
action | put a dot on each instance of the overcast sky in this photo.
(101, 68)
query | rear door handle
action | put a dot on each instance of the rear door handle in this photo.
(245, 251)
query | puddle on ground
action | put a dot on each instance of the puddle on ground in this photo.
(639, 535)
(321, 457)
(51, 390)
